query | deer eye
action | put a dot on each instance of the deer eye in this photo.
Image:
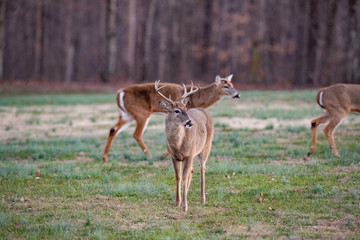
(177, 111)
(226, 86)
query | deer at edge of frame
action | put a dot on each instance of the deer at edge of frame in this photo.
(336, 101)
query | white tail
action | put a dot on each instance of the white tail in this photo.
(137, 102)
(189, 133)
(337, 101)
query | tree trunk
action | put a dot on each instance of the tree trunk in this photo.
(131, 39)
(110, 40)
(148, 36)
(69, 47)
(162, 54)
(2, 37)
(39, 40)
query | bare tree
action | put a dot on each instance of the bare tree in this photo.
(69, 47)
(39, 39)
(111, 47)
(2, 37)
(131, 38)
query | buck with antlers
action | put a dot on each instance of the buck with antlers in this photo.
(189, 133)
(336, 101)
(136, 103)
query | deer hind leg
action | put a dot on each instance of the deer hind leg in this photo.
(117, 128)
(165, 155)
(203, 156)
(329, 130)
(141, 124)
(177, 169)
(314, 124)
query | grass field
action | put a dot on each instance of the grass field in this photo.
(258, 149)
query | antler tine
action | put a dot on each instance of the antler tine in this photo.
(157, 88)
(186, 94)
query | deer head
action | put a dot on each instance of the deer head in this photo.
(225, 85)
(176, 110)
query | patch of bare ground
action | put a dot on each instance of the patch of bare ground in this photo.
(258, 124)
(347, 169)
(54, 121)
(294, 161)
(256, 230)
(254, 123)
(273, 105)
(340, 228)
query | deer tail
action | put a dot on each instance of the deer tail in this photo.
(319, 98)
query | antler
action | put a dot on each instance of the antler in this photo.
(186, 94)
(157, 88)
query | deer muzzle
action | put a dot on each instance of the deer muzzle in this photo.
(188, 124)
(236, 96)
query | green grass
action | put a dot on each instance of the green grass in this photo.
(56, 99)
(133, 196)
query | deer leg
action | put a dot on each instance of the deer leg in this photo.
(329, 130)
(202, 177)
(177, 169)
(165, 155)
(118, 127)
(141, 124)
(187, 167)
(314, 124)
(190, 177)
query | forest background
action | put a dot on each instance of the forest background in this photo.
(301, 43)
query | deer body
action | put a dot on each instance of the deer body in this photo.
(184, 144)
(189, 134)
(136, 103)
(336, 101)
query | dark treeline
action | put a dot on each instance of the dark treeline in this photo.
(297, 43)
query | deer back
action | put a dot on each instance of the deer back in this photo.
(142, 97)
(340, 97)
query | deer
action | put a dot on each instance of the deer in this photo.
(189, 134)
(136, 103)
(336, 101)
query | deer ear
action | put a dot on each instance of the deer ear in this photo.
(217, 80)
(229, 77)
(165, 105)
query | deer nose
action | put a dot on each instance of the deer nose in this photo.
(188, 124)
(237, 96)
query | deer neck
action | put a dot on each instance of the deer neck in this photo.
(176, 136)
(205, 97)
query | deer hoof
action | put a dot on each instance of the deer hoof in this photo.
(105, 159)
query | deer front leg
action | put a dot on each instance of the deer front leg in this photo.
(119, 126)
(314, 124)
(141, 124)
(177, 169)
(329, 130)
(187, 167)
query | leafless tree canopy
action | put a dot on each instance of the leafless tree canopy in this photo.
(298, 42)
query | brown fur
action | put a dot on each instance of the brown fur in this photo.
(184, 144)
(337, 101)
(141, 100)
